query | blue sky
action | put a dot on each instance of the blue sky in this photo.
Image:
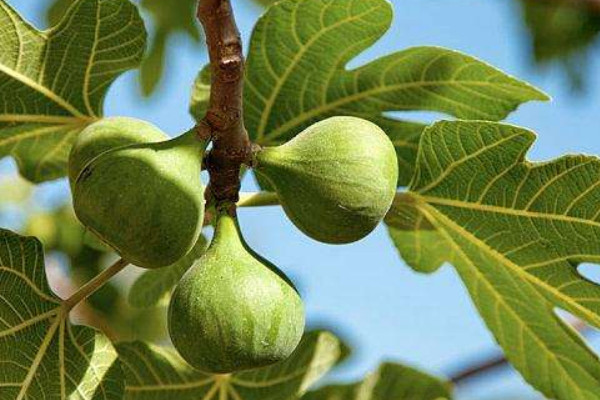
(364, 289)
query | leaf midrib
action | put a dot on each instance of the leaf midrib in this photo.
(42, 90)
(504, 210)
(38, 359)
(301, 118)
(558, 359)
(304, 47)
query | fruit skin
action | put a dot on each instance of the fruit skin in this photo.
(336, 180)
(145, 200)
(108, 134)
(233, 310)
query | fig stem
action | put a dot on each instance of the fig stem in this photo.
(258, 199)
(96, 283)
(224, 119)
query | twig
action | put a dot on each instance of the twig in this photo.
(224, 120)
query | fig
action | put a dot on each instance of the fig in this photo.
(233, 310)
(146, 200)
(108, 134)
(336, 180)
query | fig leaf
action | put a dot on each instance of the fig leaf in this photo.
(54, 82)
(42, 355)
(516, 232)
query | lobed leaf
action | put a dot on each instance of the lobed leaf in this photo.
(390, 381)
(297, 75)
(516, 232)
(153, 285)
(54, 82)
(42, 356)
(156, 373)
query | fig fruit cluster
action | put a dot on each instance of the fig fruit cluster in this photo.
(141, 193)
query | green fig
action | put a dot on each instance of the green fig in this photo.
(108, 134)
(146, 201)
(233, 310)
(336, 180)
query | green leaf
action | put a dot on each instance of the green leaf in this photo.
(170, 18)
(159, 373)
(291, 82)
(201, 93)
(54, 82)
(42, 356)
(56, 11)
(417, 239)
(516, 232)
(390, 381)
(154, 285)
(297, 74)
(564, 32)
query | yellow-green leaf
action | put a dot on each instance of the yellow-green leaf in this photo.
(43, 356)
(516, 232)
(298, 74)
(153, 285)
(54, 82)
(390, 381)
(159, 373)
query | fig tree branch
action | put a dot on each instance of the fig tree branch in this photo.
(224, 120)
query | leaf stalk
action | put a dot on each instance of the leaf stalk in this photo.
(96, 283)
(258, 199)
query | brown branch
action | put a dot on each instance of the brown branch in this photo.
(224, 120)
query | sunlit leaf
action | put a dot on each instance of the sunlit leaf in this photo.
(417, 239)
(200, 94)
(43, 356)
(56, 11)
(60, 231)
(298, 74)
(515, 231)
(54, 82)
(153, 285)
(390, 382)
(159, 373)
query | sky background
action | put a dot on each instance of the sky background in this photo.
(380, 306)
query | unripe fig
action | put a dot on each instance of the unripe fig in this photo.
(233, 310)
(336, 180)
(108, 134)
(145, 200)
